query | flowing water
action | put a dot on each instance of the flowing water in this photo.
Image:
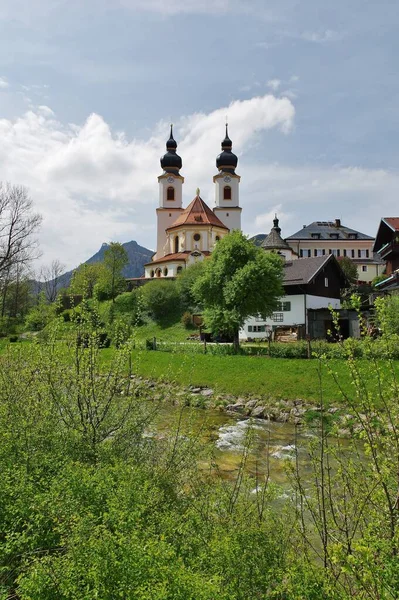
(271, 444)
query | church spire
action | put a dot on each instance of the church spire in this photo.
(227, 160)
(171, 162)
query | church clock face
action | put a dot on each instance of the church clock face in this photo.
(170, 179)
(227, 179)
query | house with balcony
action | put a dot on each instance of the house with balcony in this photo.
(309, 284)
(387, 247)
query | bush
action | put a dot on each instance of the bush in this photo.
(161, 300)
(187, 319)
(13, 338)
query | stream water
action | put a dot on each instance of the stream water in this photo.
(271, 443)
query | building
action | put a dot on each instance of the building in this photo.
(309, 284)
(273, 242)
(387, 247)
(187, 235)
(321, 238)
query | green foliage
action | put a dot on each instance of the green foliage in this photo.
(185, 282)
(161, 300)
(349, 268)
(239, 280)
(187, 319)
(387, 314)
(85, 278)
(40, 315)
(111, 283)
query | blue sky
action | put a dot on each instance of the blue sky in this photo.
(87, 89)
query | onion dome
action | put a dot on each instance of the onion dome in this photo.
(274, 241)
(171, 162)
(227, 160)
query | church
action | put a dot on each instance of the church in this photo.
(188, 235)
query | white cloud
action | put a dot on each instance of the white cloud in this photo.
(93, 185)
(3, 83)
(264, 221)
(274, 84)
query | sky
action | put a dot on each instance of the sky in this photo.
(88, 89)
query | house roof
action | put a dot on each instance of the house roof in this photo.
(176, 257)
(327, 229)
(303, 270)
(199, 214)
(393, 222)
(387, 227)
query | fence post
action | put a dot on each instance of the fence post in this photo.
(204, 346)
(154, 343)
(309, 346)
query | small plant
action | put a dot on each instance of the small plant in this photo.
(187, 319)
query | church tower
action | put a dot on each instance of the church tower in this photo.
(170, 193)
(227, 186)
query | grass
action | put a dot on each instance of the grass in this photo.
(242, 375)
(175, 332)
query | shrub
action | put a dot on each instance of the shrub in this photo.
(161, 300)
(187, 319)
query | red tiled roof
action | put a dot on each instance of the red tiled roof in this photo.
(177, 256)
(197, 213)
(393, 222)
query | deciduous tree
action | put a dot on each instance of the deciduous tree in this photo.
(239, 280)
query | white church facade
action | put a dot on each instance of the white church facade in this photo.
(187, 235)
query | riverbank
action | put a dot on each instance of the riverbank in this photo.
(299, 412)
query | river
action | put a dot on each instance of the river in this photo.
(271, 444)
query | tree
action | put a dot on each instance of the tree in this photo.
(161, 299)
(18, 225)
(239, 280)
(85, 278)
(50, 277)
(112, 281)
(349, 268)
(185, 282)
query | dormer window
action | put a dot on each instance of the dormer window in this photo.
(170, 193)
(352, 236)
(316, 236)
(227, 192)
(334, 236)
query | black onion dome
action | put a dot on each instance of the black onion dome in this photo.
(227, 160)
(171, 162)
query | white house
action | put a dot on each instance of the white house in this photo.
(309, 283)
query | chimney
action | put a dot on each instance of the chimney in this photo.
(337, 222)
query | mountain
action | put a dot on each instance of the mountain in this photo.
(258, 238)
(138, 256)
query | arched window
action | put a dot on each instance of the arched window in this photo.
(176, 244)
(179, 269)
(158, 272)
(197, 237)
(165, 272)
(217, 238)
(227, 192)
(170, 193)
(152, 273)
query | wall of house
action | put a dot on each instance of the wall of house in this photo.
(299, 304)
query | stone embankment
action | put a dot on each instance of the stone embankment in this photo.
(297, 411)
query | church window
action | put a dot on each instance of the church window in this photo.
(217, 238)
(170, 193)
(152, 273)
(158, 272)
(179, 269)
(165, 271)
(197, 237)
(227, 193)
(177, 243)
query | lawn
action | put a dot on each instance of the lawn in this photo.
(242, 375)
